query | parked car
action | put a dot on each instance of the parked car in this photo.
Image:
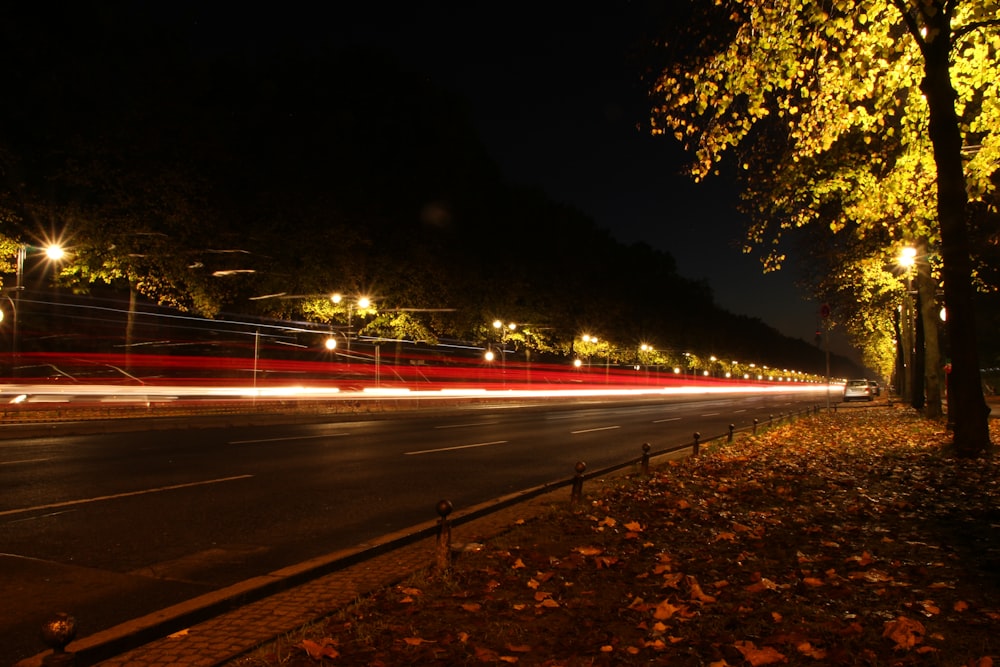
(858, 390)
(876, 388)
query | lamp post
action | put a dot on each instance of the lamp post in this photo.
(502, 329)
(906, 260)
(362, 304)
(53, 252)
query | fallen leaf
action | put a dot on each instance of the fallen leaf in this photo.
(471, 607)
(810, 651)
(905, 632)
(634, 526)
(665, 610)
(961, 605)
(759, 656)
(697, 593)
(518, 648)
(318, 651)
(417, 641)
(588, 551)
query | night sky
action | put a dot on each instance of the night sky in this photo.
(555, 92)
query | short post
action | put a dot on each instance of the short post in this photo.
(56, 633)
(770, 420)
(443, 551)
(697, 437)
(576, 495)
(645, 458)
(732, 427)
(755, 422)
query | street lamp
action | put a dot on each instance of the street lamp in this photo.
(906, 260)
(362, 303)
(53, 252)
(502, 330)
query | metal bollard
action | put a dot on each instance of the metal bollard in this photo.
(645, 458)
(443, 551)
(576, 495)
(732, 427)
(697, 437)
(770, 420)
(57, 632)
(755, 422)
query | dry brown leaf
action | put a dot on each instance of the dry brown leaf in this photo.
(417, 641)
(961, 605)
(634, 526)
(549, 603)
(812, 581)
(759, 656)
(930, 609)
(604, 562)
(638, 604)
(589, 551)
(764, 584)
(518, 648)
(905, 632)
(665, 610)
(518, 564)
(471, 607)
(810, 651)
(318, 651)
(697, 593)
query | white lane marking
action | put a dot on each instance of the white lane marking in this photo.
(671, 419)
(449, 449)
(739, 411)
(289, 437)
(710, 414)
(115, 496)
(10, 463)
(467, 425)
(591, 430)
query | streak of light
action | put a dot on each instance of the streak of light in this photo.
(450, 449)
(115, 496)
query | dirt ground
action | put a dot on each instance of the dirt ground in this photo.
(850, 538)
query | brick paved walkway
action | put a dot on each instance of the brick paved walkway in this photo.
(225, 636)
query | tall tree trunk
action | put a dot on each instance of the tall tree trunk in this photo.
(971, 414)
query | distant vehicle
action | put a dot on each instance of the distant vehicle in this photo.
(858, 390)
(876, 388)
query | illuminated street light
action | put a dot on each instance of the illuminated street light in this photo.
(330, 343)
(363, 303)
(502, 329)
(53, 252)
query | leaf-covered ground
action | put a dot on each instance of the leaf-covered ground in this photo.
(850, 538)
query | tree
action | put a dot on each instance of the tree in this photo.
(848, 92)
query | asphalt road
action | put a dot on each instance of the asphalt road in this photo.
(110, 527)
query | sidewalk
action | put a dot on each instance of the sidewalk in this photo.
(194, 634)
